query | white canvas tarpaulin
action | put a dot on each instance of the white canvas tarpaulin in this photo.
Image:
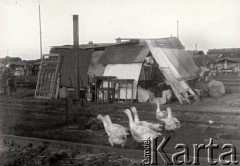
(176, 65)
(125, 71)
(177, 60)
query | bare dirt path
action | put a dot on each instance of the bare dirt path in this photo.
(25, 116)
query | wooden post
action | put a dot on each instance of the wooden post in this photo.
(67, 117)
(126, 91)
(96, 95)
(76, 54)
(119, 90)
(132, 92)
(108, 90)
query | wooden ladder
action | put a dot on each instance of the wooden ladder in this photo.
(180, 88)
(47, 77)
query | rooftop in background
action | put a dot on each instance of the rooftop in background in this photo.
(195, 53)
(222, 57)
(18, 61)
(8, 60)
(170, 42)
(36, 61)
(90, 45)
(224, 51)
(231, 54)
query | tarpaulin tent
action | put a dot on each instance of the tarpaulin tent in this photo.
(176, 65)
(174, 62)
(176, 58)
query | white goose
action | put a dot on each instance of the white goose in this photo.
(171, 123)
(152, 126)
(118, 126)
(117, 133)
(139, 133)
(160, 114)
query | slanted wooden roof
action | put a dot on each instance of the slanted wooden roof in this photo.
(122, 54)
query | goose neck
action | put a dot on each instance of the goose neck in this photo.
(105, 123)
(131, 123)
(136, 119)
(158, 107)
(169, 112)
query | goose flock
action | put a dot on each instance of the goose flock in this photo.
(140, 130)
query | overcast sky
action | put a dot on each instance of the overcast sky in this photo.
(210, 23)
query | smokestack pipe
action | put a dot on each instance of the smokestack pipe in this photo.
(76, 54)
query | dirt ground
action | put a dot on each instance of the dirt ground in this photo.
(12, 154)
(22, 115)
(229, 101)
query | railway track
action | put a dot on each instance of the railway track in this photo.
(89, 148)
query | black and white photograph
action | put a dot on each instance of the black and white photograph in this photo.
(119, 82)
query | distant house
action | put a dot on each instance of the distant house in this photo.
(225, 60)
(9, 60)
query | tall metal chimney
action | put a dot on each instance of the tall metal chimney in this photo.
(76, 54)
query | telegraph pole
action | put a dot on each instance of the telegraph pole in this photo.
(195, 46)
(177, 29)
(40, 28)
(76, 54)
